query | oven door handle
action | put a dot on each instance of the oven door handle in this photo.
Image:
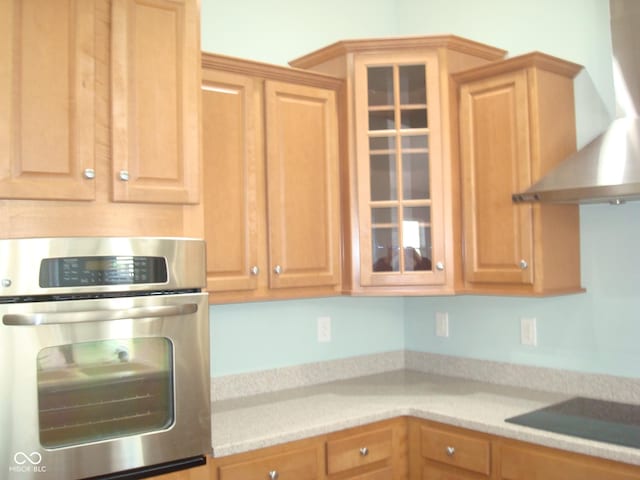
(89, 316)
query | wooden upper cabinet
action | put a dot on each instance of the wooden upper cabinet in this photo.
(495, 146)
(232, 162)
(303, 193)
(155, 69)
(517, 121)
(47, 90)
(400, 180)
(271, 184)
(400, 190)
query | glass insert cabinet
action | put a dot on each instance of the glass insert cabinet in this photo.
(399, 171)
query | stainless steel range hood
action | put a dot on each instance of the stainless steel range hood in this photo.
(608, 168)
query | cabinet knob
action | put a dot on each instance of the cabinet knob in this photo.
(451, 451)
(523, 264)
(364, 451)
(123, 175)
(440, 266)
(89, 173)
(273, 475)
(277, 269)
(255, 270)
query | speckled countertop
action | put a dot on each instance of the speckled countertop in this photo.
(249, 423)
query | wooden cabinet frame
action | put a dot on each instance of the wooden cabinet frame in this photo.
(271, 168)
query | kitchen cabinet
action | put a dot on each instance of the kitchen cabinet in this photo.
(408, 448)
(439, 451)
(373, 452)
(399, 181)
(335, 456)
(517, 121)
(196, 473)
(91, 93)
(442, 452)
(520, 461)
(47, 92)
(271, 195)
(291, 465)
(155, 64)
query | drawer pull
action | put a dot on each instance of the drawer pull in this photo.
(364, 451)
(273, 475)
(451, 451)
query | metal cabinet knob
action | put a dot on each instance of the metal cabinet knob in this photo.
(523, 264)
(254, 270)
(277, 269)
(440, 266)
(273, 475)
(89, 173)
(364, 451)
(451, 451)
(123, 175)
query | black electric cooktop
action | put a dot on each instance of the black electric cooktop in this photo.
(604, 421)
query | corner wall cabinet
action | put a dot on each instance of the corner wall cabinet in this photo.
(271, 195)
(516, 122)
(400, 204)
(101, 106)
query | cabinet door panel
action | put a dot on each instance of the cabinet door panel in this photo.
(494, 132)
(47, 90)
(155, 75)
(528, 464)
(231, 163)
(296, 465)
(400, 171)
(302, 176)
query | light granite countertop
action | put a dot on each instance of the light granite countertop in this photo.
(262, 420)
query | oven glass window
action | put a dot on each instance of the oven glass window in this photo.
(99, 390)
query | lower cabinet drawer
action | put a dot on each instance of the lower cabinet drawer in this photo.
(432, 472)
(297, 465)
(456, 449)
(384, 474)
(358, 450)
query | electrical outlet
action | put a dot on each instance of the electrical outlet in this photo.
(324, 329)
(442, 324)
(528, 332)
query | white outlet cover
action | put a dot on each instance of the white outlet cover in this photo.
(528, 332)
(442, 324)
(324, 329)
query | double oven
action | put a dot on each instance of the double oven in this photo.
(104, 357)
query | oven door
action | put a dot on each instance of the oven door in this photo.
(90, 387)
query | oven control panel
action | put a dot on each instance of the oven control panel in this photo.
(102, 270)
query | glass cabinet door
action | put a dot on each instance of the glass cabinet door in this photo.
(395, 150)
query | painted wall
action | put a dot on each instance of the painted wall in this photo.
(597, 331)
(277, 31)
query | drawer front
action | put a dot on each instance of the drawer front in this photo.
(456, 449)
(358, 450)
(431, 472)
(524, 464)
(300, 465)
(384, 474)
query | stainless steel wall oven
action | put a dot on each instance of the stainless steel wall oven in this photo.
(104, 352)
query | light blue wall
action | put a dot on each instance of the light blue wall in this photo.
(248, 337)
(598, 331)
(277, 31)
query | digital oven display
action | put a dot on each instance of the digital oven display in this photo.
(102, 270)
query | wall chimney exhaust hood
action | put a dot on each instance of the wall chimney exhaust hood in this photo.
(607, 170)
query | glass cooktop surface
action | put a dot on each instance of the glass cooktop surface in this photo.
(601, 420)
